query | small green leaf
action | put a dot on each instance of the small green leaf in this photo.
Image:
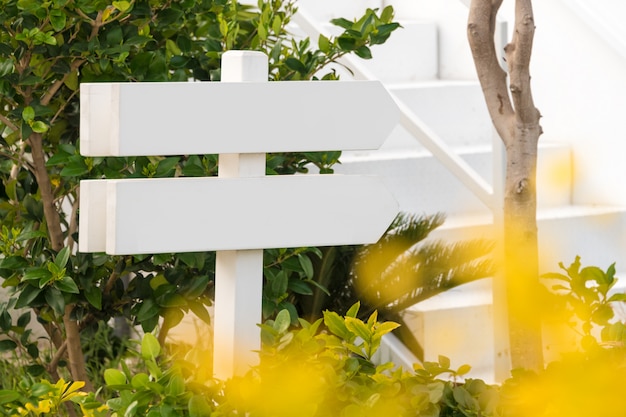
(114, 377)
(282, 322)
(150, 347)
(323, 43)
(55, 299)
(463, 370)
(363, 52)
(295, 64)
(354, 310)
(62, 257)
(94, 296)
(67, 284)
(307, 265)
(359, 328)
(341, 22)
(336, 325)
(444, 361)
(384, 328)
(28, 114)
(7, 345)
(122, 6)
(58, 19)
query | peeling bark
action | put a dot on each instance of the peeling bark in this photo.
(516, 120)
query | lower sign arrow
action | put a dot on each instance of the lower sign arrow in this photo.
(205, 214)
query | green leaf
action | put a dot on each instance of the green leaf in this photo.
(354, 309)
(28, 114)
(593, 273)
(150, 347)
(55, 299)
(172, 300)
(13, 263)
(384, 328)
(24, 319)
(300, 287)
(200, 311)
(62, 257)
(27, 296)
(444, 361)
(7, 396)
(94, 296)
(148, 310)
(196, 286)
(295, 64)
(67, 284)
(617, 297)
(7, 345)
(114, 377)
(341, 22)
(336, 325)
(307, 265)
(324, 43)
(199, 407)
(36, 274)
(359, 328)
(58, 19)
(364, 52)
(5, 321)
(463, 370)
(122, 6)
(282, 322)
(6, 67)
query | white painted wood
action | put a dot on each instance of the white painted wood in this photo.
(238, 309)
(93, 216)
(131, 119)
(204, 214)
(239, 274)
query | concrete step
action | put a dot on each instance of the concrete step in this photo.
(455, 110)
(422, 184)
(596, 233)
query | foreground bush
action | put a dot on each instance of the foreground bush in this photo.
(325, 368)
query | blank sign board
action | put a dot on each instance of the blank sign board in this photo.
(203, 214)
(133, 119)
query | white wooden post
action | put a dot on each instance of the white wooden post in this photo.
(239, 274)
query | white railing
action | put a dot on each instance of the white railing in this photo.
(413, 124)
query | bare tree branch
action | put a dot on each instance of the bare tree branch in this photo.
(481, 30)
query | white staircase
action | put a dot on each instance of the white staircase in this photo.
(427, 66)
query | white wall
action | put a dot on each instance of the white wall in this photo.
(579, 85)
(455, 58)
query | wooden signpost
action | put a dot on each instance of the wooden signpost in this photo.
(240, 118)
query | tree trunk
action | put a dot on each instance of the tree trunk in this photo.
(516, 120)
(55, 233)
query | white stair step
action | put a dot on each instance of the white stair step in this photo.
(455, 110)
(421, 184)
(563, 232)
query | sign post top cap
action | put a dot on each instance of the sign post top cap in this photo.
(241, 66)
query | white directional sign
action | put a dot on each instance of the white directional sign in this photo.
(241, 211)
(206, 214)
(176, 118)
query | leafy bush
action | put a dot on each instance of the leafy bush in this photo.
(46, 50)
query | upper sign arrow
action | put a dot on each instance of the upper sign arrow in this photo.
(134, 119)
